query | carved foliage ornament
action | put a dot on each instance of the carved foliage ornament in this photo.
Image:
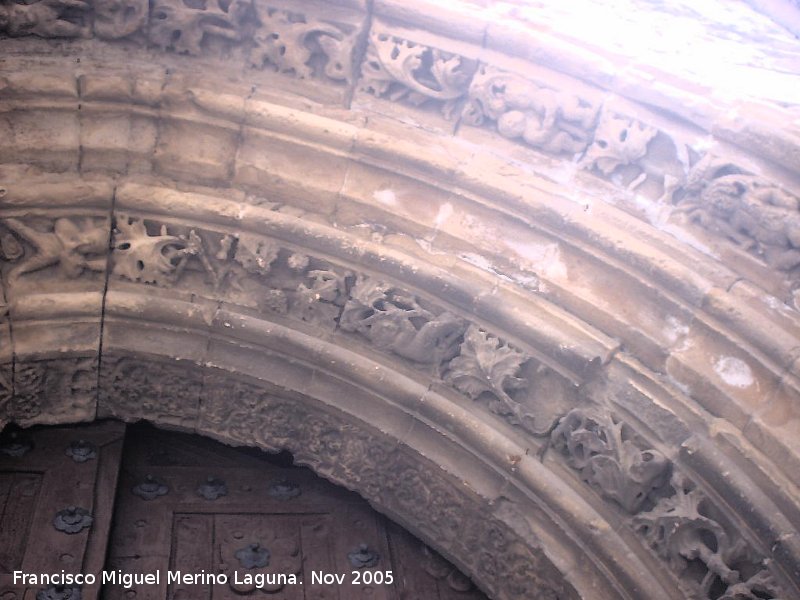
(552, 121)
(683, 529)
(486, 366)
(602, 449)
(150, 258)
(293, 43)
(400, 69)
(757, 215)
(114, 19)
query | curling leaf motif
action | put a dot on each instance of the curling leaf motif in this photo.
(488, 365)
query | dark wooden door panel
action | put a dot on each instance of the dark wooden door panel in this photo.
(306, 524)
(37, 484)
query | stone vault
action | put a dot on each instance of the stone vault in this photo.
(533, 297)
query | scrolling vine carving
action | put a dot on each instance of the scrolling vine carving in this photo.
(401, 69)
(291, 42)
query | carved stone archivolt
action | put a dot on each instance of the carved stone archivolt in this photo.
(385, 473)
(501, 288)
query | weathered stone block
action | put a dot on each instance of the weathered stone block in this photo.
(47, 138)
(283, 170)
(196, 152)
(116, 142)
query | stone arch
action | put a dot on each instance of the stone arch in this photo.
(297, 246)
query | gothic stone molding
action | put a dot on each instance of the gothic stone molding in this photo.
(385, 471)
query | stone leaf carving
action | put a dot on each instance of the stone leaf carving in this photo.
(487, 366)
(599, 447)
(114, 19)
(749, 210)
(185, 25)
(394, 320)
(552, 121)
(291, 41)
(45, 18)
(618, 141)
(681, 528)
(158, 259)
(400, 69)
(73, 245)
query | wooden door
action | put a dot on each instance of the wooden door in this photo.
(56, 497)
(190, 505)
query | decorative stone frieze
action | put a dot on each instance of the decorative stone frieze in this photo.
(554, 121)
(461, 325)
(601, 448)
(50, 391)
(284, 36)
(244, 269)
(711, 556)
(133, 389)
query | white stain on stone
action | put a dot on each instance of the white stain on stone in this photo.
(445, 212)
(544, 259)
(734, 372)
(675, 330)
(385, 196)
